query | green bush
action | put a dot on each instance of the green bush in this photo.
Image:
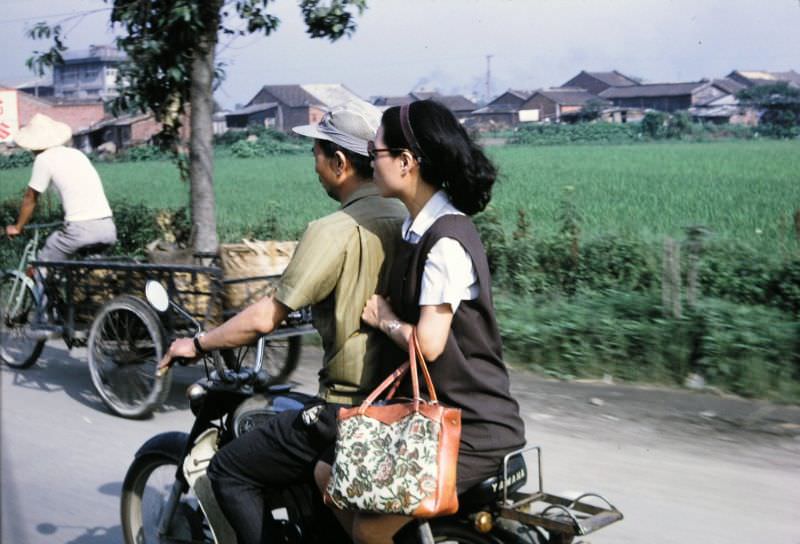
(263, 147)
(589, 335)
(17, 159)
(557, 134)
(748, 350)
(617, 262)
(494, 240)
(735, 272)
(144, 153)
(655, 125)
(783, 287)
(235, 135)
(255, 141)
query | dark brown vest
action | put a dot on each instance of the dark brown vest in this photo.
(470, 373)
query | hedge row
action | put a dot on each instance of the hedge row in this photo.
(246, 143)
(566, 264)
(654, 126)
(749, 350)
(593, 307)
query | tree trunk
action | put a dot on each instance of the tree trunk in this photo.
(201, 150)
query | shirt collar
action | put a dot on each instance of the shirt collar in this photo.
(366, 189)
(429, 213)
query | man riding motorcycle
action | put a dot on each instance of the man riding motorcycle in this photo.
(337, 266)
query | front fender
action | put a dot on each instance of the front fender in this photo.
(171, 444)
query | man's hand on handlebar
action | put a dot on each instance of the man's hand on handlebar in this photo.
(12, 230)
(182, 350)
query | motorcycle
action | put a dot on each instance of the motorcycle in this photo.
(167, 497)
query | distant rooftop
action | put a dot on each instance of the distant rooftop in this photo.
(567, 96)
(324, 94)
(614, 78)
(764, 77)
(653, 89)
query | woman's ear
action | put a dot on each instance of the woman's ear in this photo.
(406, 161)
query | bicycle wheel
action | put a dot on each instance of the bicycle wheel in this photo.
(19, 348)
(280, 357)
(144, 494)
(126, 342)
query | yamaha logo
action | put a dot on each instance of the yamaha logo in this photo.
(518, 476)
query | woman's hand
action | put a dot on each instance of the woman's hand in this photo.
(377, 310)
(180, 348)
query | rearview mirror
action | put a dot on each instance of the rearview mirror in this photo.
(156, 295)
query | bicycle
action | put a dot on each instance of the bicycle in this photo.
(97, 302)
(21, 291)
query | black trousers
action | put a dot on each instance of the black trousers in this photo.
(279, 453)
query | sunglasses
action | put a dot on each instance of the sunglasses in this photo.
(373, 151)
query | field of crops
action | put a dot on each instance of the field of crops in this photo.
(741, 190)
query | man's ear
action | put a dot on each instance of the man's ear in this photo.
(340, 162)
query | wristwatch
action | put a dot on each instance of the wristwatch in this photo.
(392, 326)
(197, 347)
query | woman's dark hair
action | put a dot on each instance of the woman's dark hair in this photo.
(361, 164)
(449, 159)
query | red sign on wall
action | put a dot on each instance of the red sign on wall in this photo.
(9, 119)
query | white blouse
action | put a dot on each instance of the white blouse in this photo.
(449, 275)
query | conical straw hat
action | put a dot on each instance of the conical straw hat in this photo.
(42, 133)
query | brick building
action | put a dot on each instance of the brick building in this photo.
(668, 97)
(23, 106)
(503, 111)
(558, 104)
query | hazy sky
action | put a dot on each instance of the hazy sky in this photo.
(442, 44)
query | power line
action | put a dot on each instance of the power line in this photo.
(69, 15)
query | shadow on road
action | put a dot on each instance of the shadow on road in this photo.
(92, 535)
(61, 370)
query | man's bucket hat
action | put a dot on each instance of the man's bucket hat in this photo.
(350, 125)
(42, 133)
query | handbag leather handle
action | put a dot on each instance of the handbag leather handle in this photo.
(424, 366)
(414, 353)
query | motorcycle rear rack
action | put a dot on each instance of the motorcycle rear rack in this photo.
(567, 517)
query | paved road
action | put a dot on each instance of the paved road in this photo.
(684, 467)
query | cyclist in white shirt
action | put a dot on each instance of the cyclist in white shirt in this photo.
(87, 215)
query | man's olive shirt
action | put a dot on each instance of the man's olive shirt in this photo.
(341, 261)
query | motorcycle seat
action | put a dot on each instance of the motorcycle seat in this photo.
(490, 491)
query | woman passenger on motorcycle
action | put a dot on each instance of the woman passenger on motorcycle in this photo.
(441, 285)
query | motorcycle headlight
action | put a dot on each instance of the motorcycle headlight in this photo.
(196, 393)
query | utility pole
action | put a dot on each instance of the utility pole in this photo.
(488, 78)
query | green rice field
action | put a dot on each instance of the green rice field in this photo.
(746, 191)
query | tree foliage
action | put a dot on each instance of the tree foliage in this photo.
(162, 37)
(170, 46)
(161, 40)
(780, 107)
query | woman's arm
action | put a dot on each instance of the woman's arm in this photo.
(432, 329)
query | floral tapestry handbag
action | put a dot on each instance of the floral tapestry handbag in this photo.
(399, 457)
